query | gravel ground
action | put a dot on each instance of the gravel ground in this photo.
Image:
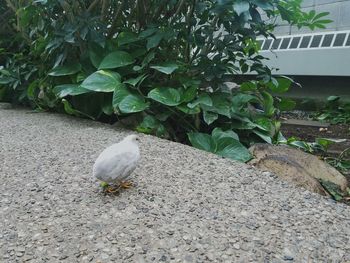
(186, 206)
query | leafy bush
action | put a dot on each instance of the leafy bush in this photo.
(334, 111)
(174, 64)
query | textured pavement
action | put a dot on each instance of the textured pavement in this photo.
(186, 206)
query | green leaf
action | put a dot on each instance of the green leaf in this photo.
(96, 54)
(65, 70)
(220, 105)
(333, 98)
(283, 85)
(263, 135)
(210, 117)
(268, 103)
(154, 41)
(148, 124)
(184, 108)
(189, 94)
(240, 100)
(286, 104)
(126, 38)
(166, 96)
(69, 89)
(133, 103)
(319, 15)
(241, 7)
(116, 59)
(69, 110)
(202, 99)
(166, 67)
(202, 141)
(107, 107)
(325, 21)
(102, 81)
(248, 86)
(233, 149)
(31, 89)
(135, 81)
(326, 142)
(218, 133)
(120, 93)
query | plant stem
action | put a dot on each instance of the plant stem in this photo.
(116, 18)
(188, 21)
(178, 10)
(92, 5)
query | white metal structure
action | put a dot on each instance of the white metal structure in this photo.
(315, 54)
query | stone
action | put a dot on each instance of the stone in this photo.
(296, 166)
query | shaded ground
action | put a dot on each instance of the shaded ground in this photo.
(310, 133)
(187, 205)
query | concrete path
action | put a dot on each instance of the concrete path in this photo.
(187, 205)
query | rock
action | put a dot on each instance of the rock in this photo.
(296, 166)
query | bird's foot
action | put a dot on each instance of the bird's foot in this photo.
(112, 189)
(126, 185)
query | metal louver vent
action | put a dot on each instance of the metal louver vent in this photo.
(318, 40)
(317, 54)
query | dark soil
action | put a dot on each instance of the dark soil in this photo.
(310, 133)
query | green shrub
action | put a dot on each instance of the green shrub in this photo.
(169, 62)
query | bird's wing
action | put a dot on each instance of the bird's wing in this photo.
(116, 167)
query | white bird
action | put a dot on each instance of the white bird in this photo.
(117, 162)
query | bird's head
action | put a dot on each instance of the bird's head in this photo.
(132, 138)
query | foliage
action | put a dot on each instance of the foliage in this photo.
(320, 147)
(167, 61)
(334, 111)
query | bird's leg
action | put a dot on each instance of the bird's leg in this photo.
(125, 185)
(112, 189)
(109, 188)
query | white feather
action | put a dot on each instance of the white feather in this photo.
(117, 161)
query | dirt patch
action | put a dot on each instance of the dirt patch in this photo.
(310, 133)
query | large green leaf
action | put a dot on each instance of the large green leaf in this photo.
(218, 133)
(102, 81)
(65, 70)
(202, 141)
(286, 104)
(116, 59)
(282, 85)
(233, 149)
(225, 146)
(69, 89)
(167, 96)
(220, 105)
(133, 103)
(263, 135)
(210, 117)
(96, 54)
(166, 67)
(120, 93)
